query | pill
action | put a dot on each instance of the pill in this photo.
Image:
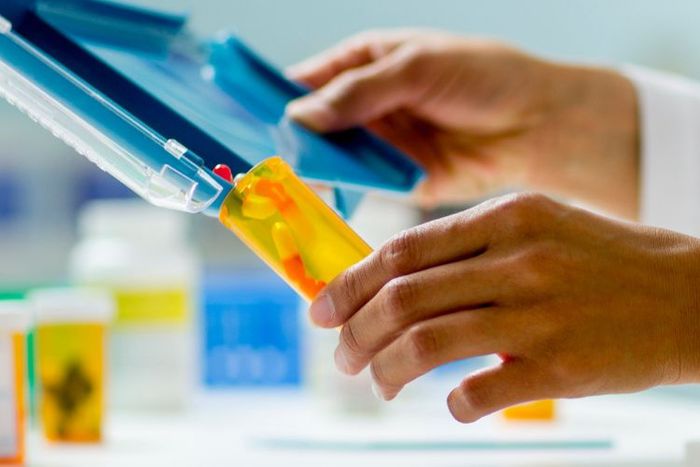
(311, 287)
(287, 208)
(294, 269)
(275, 191)
(258, 207)
(284, 241)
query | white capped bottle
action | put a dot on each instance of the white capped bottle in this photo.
(141, 254)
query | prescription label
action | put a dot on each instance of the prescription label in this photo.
(8, 399)
(70, 360)
(169, 306)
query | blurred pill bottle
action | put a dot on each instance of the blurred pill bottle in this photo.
(70, 351)
(13, 325)
(141, 254)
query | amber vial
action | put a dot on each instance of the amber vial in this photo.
(290, 227)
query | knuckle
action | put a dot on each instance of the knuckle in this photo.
(413, 63)
(562, 373)
(573, 377)
(398, 294)
(346, 88)
(378, 373)
(533, 267)
(351, 286)
(475, 396)
(400, 254)
(422, 344)
(348, 339)
(522, 212)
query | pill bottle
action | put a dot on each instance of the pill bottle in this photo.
(70, 339)
(13, 324)
(141, 255)
(290, 227)
(544, 411)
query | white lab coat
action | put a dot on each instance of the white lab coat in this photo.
(670, 149)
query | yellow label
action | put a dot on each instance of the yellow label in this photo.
(152, 306)
(70, 360)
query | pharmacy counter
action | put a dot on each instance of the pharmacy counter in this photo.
(280, 428)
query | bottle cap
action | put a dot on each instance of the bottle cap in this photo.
(71, 305)
(131, 219)
(14, 315)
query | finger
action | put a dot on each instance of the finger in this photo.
(496, 388)
(411, 135)
(435, 342)
(460, 236)
(417, 297)
(357, 51)
(361, 95)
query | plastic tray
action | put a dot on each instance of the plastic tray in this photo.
(158, 108)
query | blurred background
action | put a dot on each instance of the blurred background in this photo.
(245, 328)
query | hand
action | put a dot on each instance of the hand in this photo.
(581, 304)
(481, 117)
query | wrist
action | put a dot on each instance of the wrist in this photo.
(687, 259)
(592, 135)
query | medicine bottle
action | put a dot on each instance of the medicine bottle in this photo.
(141, 254)
(13, 321)
(70, 344)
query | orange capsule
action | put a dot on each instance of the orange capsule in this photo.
(275, 191)
(311, 287)
(294, 269)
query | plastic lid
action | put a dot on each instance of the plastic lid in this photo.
(14, 315)
(131, 219)
(71, 305)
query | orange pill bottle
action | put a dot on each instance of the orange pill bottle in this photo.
(13, 323)
(71, 333)
(544, 410)
(290, 227)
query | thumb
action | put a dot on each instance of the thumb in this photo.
(360, 95)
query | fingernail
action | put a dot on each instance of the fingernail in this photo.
(377, 392)
(341, 361)
(322, 310)
(311, 112)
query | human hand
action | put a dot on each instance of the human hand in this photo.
(581, 304)
(481, 117)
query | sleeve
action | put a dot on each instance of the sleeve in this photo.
(669, 112)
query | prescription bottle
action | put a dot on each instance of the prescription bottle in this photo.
(141, 255)
(70, 339)
(290, 227)
(544, 410)
(13, 324)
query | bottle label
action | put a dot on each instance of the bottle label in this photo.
(8, 399)
(152, 306)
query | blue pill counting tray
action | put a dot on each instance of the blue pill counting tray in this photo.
(157, 107)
